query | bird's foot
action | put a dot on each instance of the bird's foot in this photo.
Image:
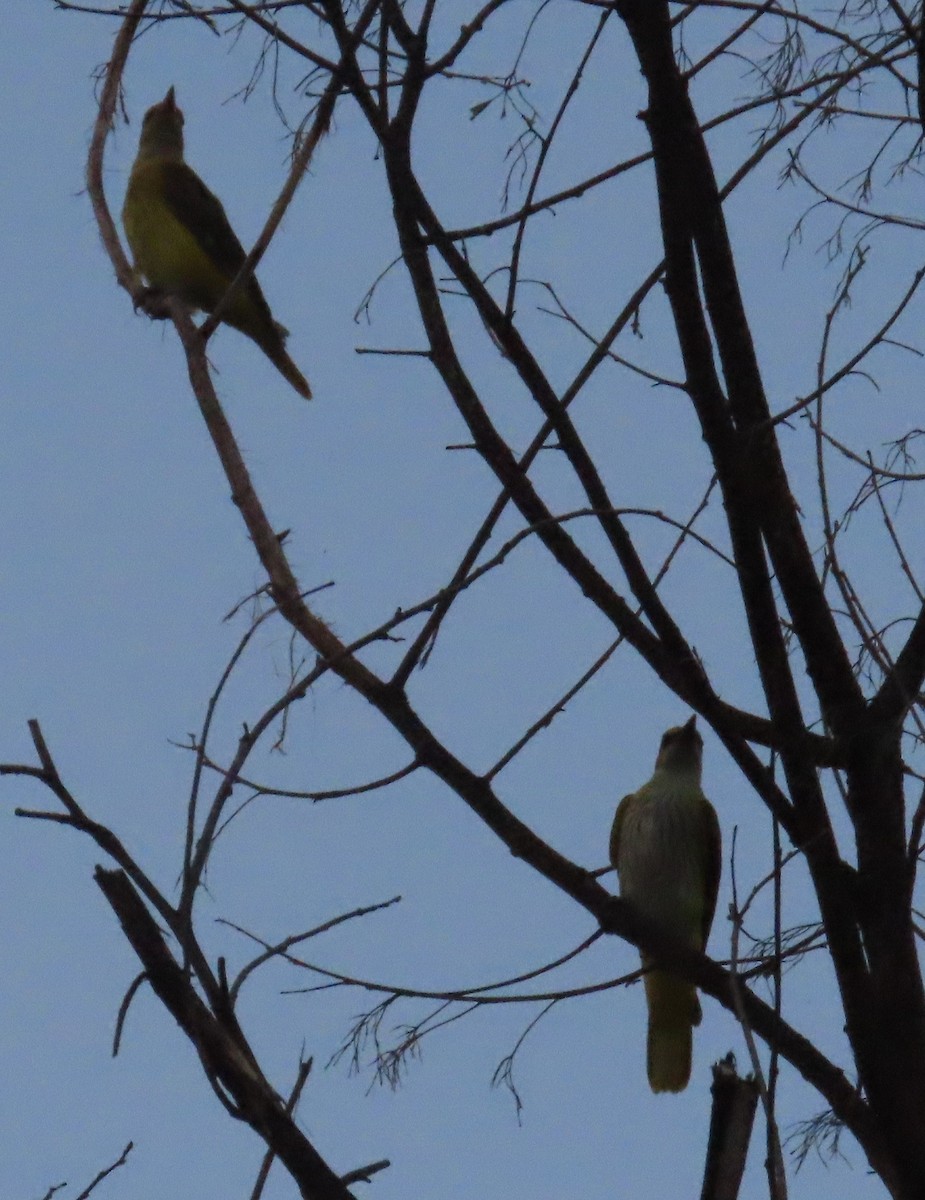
(152, 301)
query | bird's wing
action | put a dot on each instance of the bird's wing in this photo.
(201, 212)
(617, 827)
(713, 865)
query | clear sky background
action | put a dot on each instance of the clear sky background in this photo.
(120, 553)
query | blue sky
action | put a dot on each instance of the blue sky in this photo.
(120, 553)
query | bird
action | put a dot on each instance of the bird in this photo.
(182, 241)
(666, 847)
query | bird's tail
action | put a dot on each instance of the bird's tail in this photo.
(274, 347)
(673, 1010)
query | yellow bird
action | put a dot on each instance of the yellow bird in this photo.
(183, 243)
(667, 849)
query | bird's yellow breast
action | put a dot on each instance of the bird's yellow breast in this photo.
(661, 855)
(166, 253)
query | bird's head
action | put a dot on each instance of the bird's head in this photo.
(162, 130)
(681, 749)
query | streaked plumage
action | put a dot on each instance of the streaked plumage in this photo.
(666, 847)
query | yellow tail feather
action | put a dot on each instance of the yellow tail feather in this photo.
(673, 1011)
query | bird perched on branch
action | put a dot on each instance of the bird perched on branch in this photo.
(183, 243)
(666, 847)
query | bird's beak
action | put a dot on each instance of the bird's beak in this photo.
(691, 725)
(170, 99)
